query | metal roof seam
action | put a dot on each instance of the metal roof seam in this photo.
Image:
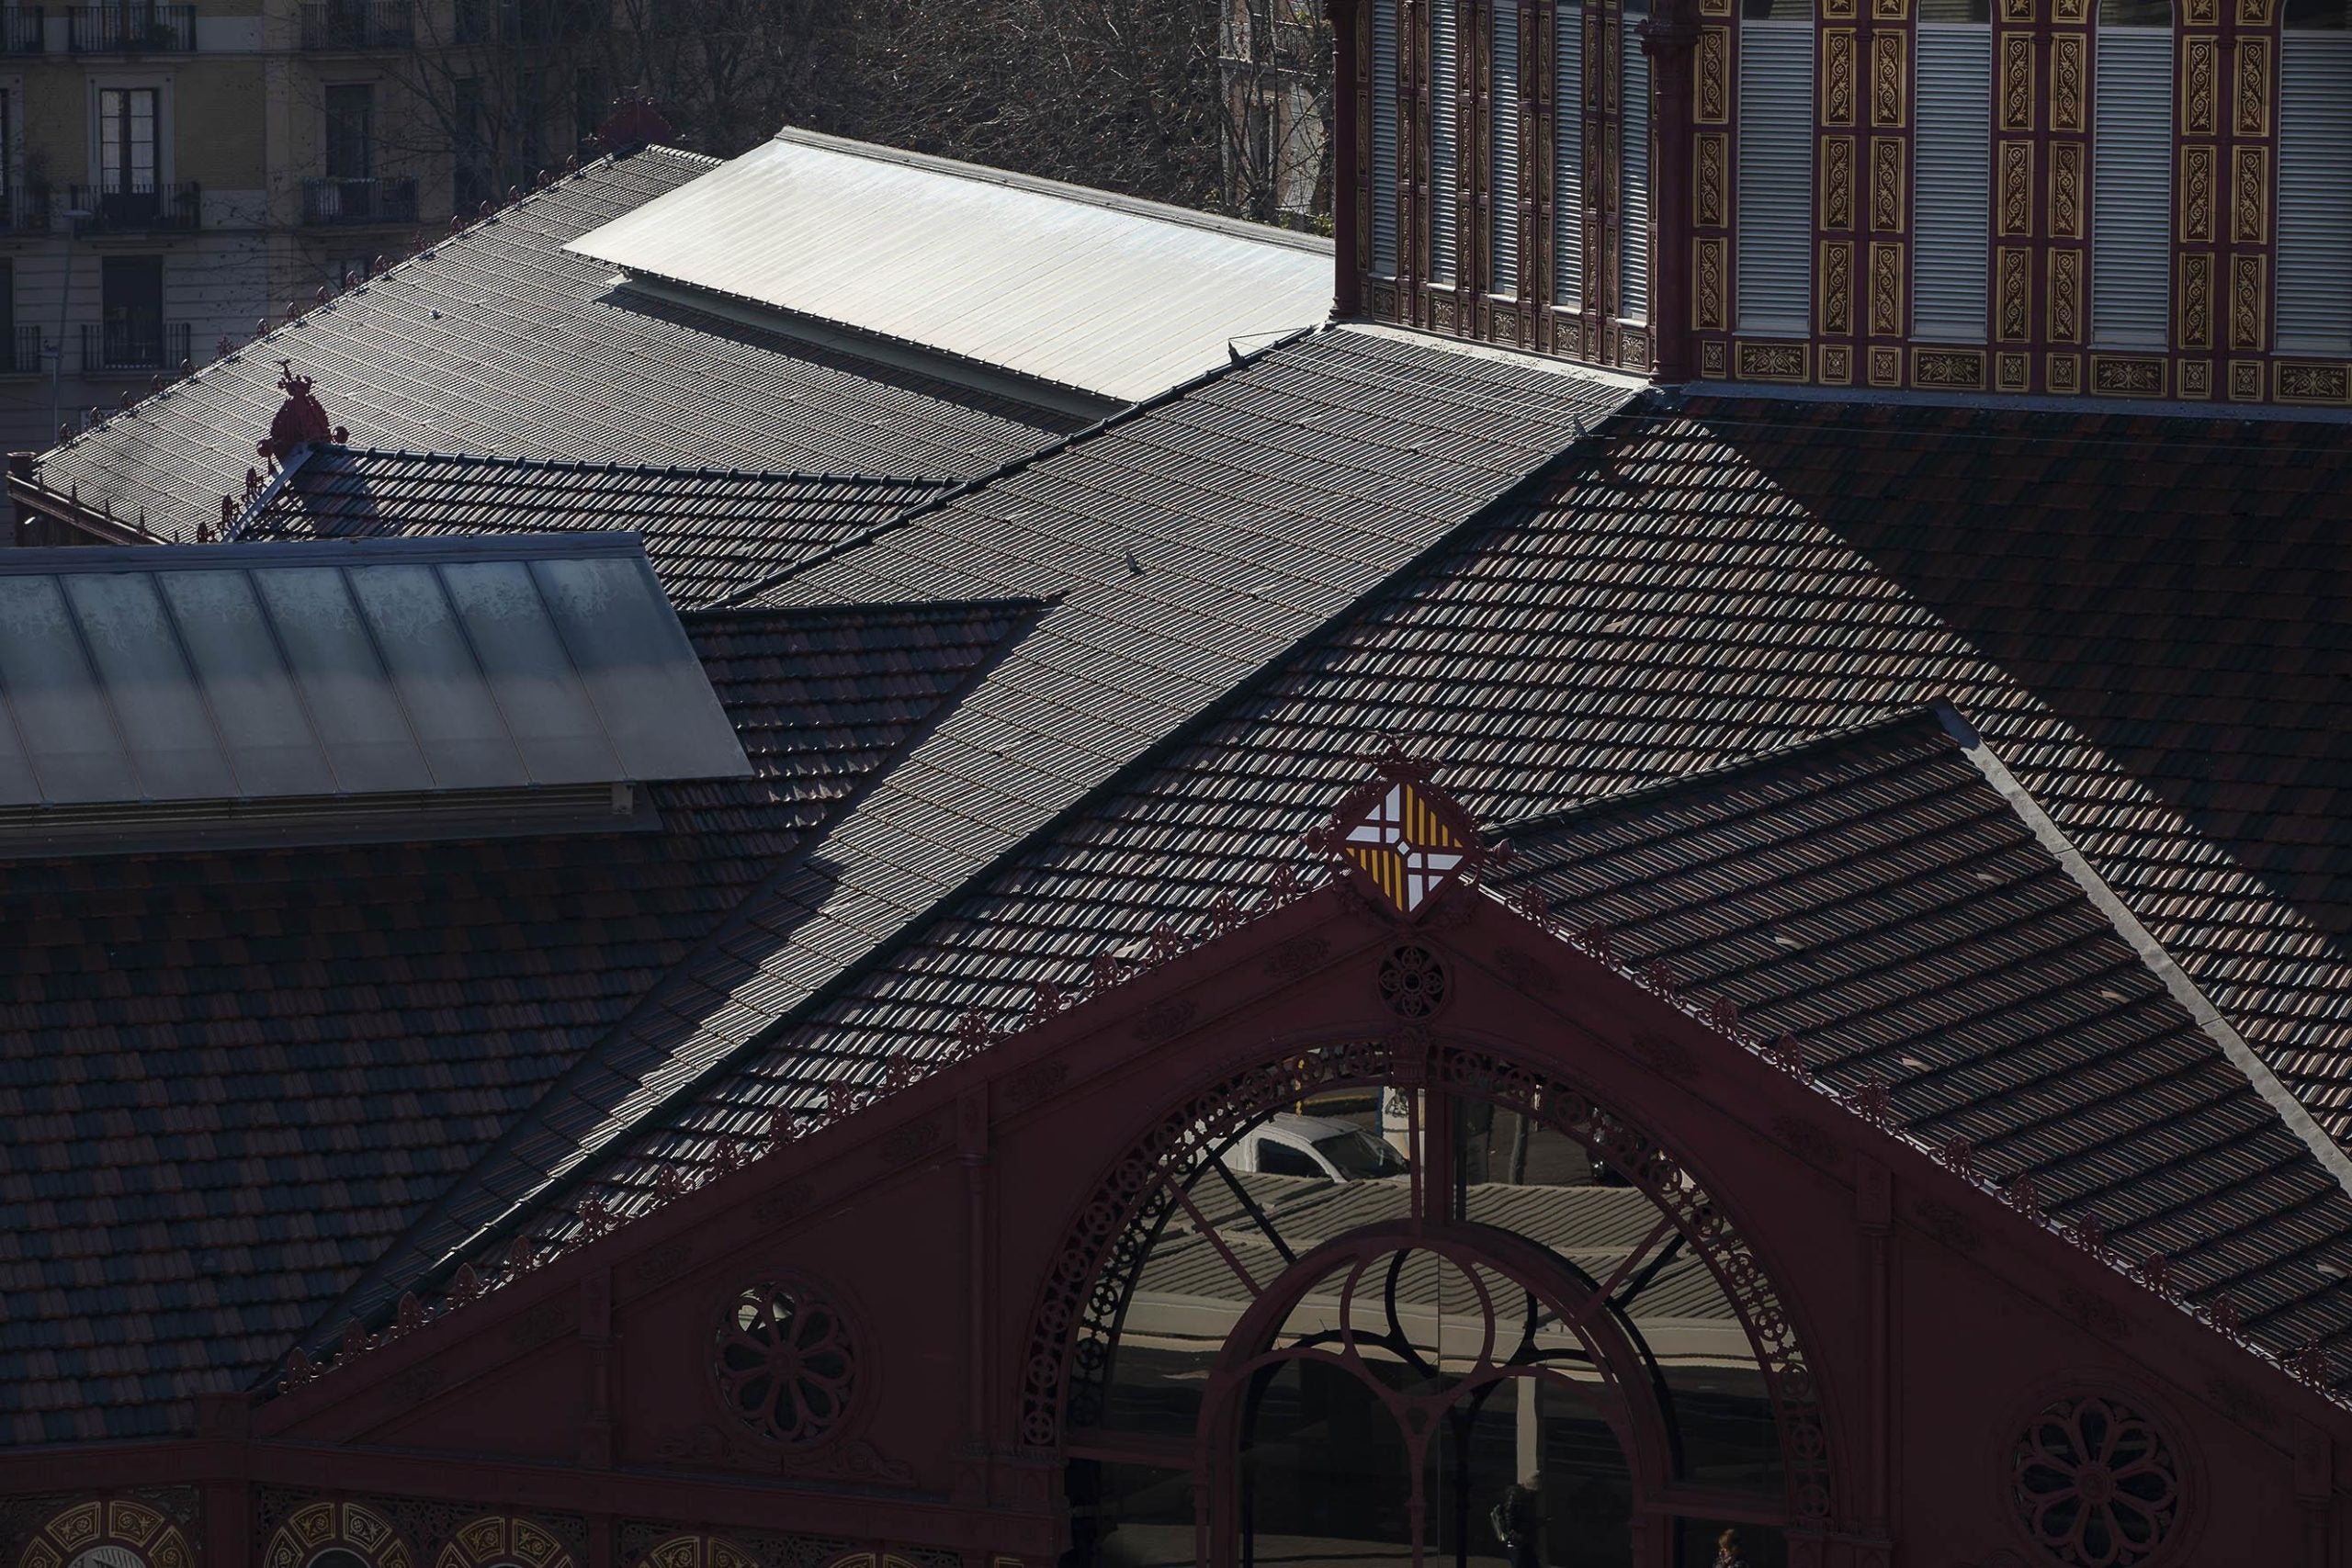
(742, 596)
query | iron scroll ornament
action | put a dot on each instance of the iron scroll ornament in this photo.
(1084, 1296)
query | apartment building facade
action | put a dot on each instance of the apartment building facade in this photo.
(172, 175)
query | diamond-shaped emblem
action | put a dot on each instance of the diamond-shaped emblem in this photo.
(1405, 846)
(1404, 838)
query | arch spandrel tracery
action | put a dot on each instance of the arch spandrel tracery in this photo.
(111, 1532)
(335, 1535)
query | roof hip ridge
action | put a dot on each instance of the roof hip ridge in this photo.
(958, 491)
(2209, 1018)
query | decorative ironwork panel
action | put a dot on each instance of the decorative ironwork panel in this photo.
(2198, 115)
(2253, 86)
(2016, 195)
(2065, 294)
(1886, 288)
(1837, 77)
(2066, 190)
(2247, 304)
(2068, 78)
(1888, 160)
(2012, 274)
(2197, 193)
(1837, 182)
(2197, 299)
(1890, 96)
(1709, 307)
(2250, 196)
(1838, 287)
(2017, 83)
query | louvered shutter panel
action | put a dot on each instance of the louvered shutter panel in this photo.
(1568, 155)
(1383, 137)
(2315, 193)
(1774, 254)
(2131, 188)
(1952, 183)
(1503, 215)
(1633, 178)
(1444, 145)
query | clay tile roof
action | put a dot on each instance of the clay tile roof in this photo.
(497, 340)
(1666, 606)
(1880, 899)
(1190, 545)
(233, 1079)
(709, 531)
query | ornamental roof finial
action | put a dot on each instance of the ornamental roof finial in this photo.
(300, 419)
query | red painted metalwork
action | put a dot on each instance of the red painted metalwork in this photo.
(987, 1218)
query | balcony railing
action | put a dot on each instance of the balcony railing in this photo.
(131, 30)
(358, 24)
(136, 210)
(133, 346)
(345, 202)
(24, 209)
(20, 354)
(21, 29)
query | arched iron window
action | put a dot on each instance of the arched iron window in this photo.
(1465, 1322)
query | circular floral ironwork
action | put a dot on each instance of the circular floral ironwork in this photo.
(783, 1361)
(2096, 1485)
(1412, 982)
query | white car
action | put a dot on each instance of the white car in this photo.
(1321, 1147)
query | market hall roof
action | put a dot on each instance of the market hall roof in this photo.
(1074, 288)
(499, 341)
(708, 531)
(1188, 547)
(1662, 607)
(233, 1079)
(138, 683)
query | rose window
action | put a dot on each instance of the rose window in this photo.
(785, 1364)
(2097, 1486)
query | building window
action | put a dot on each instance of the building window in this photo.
(1951, 152)
(1567, 154)
(1382, 193)
(2315, 179)
(1634, 168)
(1391, 1366)
(130, 311)
(1774, 266)
(128, 141)
(2131, 174)
(351, 131)
(1502, 120)
(1445, 141)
